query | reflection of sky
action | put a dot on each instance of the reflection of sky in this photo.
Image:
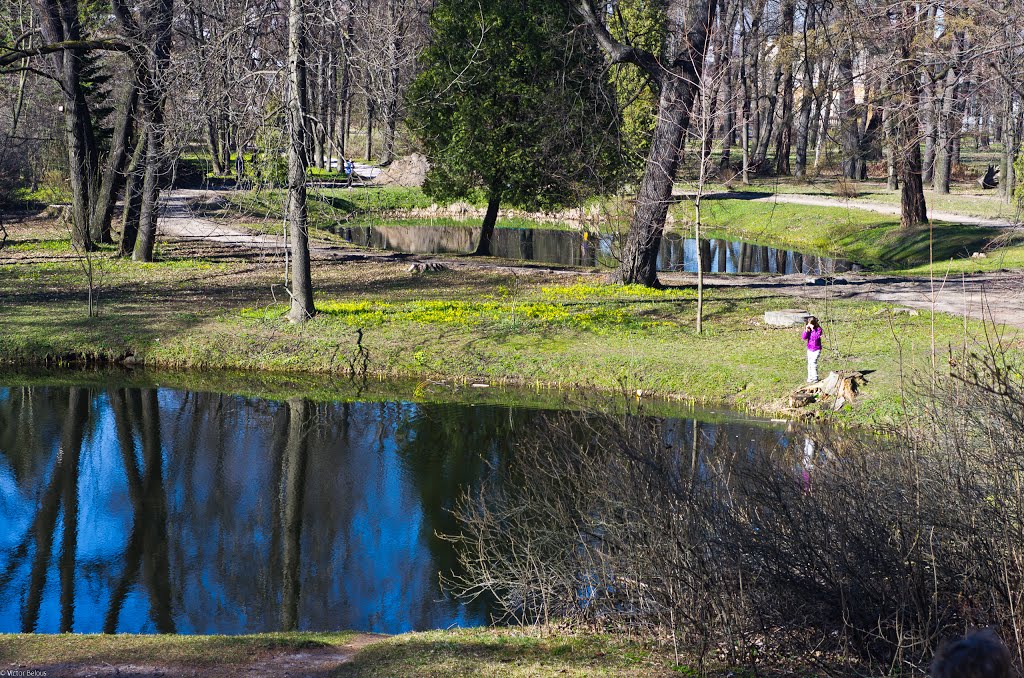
(368, 558)
(364, 558)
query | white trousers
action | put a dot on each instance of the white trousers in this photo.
(812, 365)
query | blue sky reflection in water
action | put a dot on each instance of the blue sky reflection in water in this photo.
(157, 510)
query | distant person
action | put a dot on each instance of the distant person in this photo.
(350, 172)
(979, 654)
(812, 335)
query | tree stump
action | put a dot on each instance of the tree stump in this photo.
(842, 386)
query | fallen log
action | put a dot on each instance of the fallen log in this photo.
(842, 386)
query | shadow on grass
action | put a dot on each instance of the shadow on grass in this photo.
(914, 246)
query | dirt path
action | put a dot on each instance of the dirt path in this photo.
(997, 297)
(881, 208)
(178, 221)
(319, 662)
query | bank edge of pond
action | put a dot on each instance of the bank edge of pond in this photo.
(874, 240)
(196, 369)
(485, 651)
(104, 372)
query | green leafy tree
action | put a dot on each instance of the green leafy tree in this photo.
(640, 24)
(513, 103)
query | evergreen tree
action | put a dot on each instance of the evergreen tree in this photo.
(512, 102)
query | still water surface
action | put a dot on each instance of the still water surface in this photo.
(162, 510)
(573, 248)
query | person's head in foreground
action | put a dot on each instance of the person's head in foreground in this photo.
(979, 654)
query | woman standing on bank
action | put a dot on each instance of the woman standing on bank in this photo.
(812, 335)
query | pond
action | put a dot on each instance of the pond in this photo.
(576, 248)
(153, 509)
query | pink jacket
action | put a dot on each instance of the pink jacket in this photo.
(813, 338)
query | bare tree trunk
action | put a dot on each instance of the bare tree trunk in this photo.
(688, 24)
(150, 204)
(728, 98)
(821, 121)
(1010, 138)
(113, 175)
(785, 138)
(321, 142)
(913, 210)
(156, 32)
(213, 143)
(298, 149)
(370, 112)
(133, 197)
(767, 120)
(806, 96)
(391, 98)
(483, 247)
(891, 151)
(929, 111)
(745, 110)
(345, 107)
(640, 252)
(942, 125)
(850, 136)
(59, 23)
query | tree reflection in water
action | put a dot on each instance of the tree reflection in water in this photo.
(573, 248)
(154, 510)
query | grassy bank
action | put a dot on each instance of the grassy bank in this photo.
(862, 236)
(506, 652)
(332, 208)
(203, 308)
(65, 651)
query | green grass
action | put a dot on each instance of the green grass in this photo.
(542, 331)
(359, 207)
(163, 650)
(964, 198)
(504, 652)
(512, 652)
(866, 237)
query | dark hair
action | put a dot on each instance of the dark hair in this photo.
(980, 654)
(813, 320)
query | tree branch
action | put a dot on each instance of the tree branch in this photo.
(617, 52)
(8, 58)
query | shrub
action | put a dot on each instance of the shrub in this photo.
(870, 546)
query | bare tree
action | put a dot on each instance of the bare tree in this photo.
(298, 160)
